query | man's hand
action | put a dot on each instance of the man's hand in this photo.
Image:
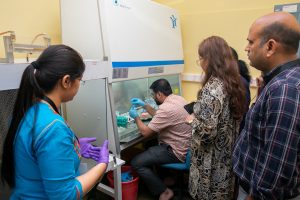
(260, 84)
(137, 102)
(132, 113)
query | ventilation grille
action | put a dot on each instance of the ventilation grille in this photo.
(7, 100)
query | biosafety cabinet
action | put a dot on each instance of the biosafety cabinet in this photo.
(127, 44)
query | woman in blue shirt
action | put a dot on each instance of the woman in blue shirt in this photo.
(41, 154)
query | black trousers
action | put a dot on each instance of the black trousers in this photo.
(144, 162)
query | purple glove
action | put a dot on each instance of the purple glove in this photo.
(103, 156)
(88, 150)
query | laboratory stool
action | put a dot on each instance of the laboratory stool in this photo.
(181, 167)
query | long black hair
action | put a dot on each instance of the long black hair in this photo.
(243, 68)
(244, 71)
(40, 77)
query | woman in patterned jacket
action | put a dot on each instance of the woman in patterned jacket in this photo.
(215, 121)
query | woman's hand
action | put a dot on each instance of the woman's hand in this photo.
(87, 149)
(189, 119)
(104, 153)
(249, 198)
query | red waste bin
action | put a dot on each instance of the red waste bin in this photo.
(130, 188)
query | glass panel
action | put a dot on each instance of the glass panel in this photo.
(125, 90)
(173, 80)
(86, 114)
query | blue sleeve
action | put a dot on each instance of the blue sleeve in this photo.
(56, 159)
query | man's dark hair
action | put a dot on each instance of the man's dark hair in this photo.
(161, 85)
(288, 37)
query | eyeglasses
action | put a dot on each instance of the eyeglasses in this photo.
(82, 82)
(152, 94)
(199, 60)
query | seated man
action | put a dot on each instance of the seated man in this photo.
(174, 135)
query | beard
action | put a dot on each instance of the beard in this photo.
(157, 102)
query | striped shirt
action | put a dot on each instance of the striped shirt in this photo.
(266, 157)
(169, 123)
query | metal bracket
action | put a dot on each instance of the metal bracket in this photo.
(10, 46)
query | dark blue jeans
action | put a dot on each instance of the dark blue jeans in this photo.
(154, 156)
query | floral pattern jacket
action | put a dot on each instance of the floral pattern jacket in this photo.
(214, 134)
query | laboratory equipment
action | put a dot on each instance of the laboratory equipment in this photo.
(11, 47)
(133, 43)
(139, 88)
(122, 121)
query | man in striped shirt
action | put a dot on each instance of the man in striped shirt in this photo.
(266, 157)
(174, 135)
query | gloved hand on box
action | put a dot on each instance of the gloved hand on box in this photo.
(133, 113)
